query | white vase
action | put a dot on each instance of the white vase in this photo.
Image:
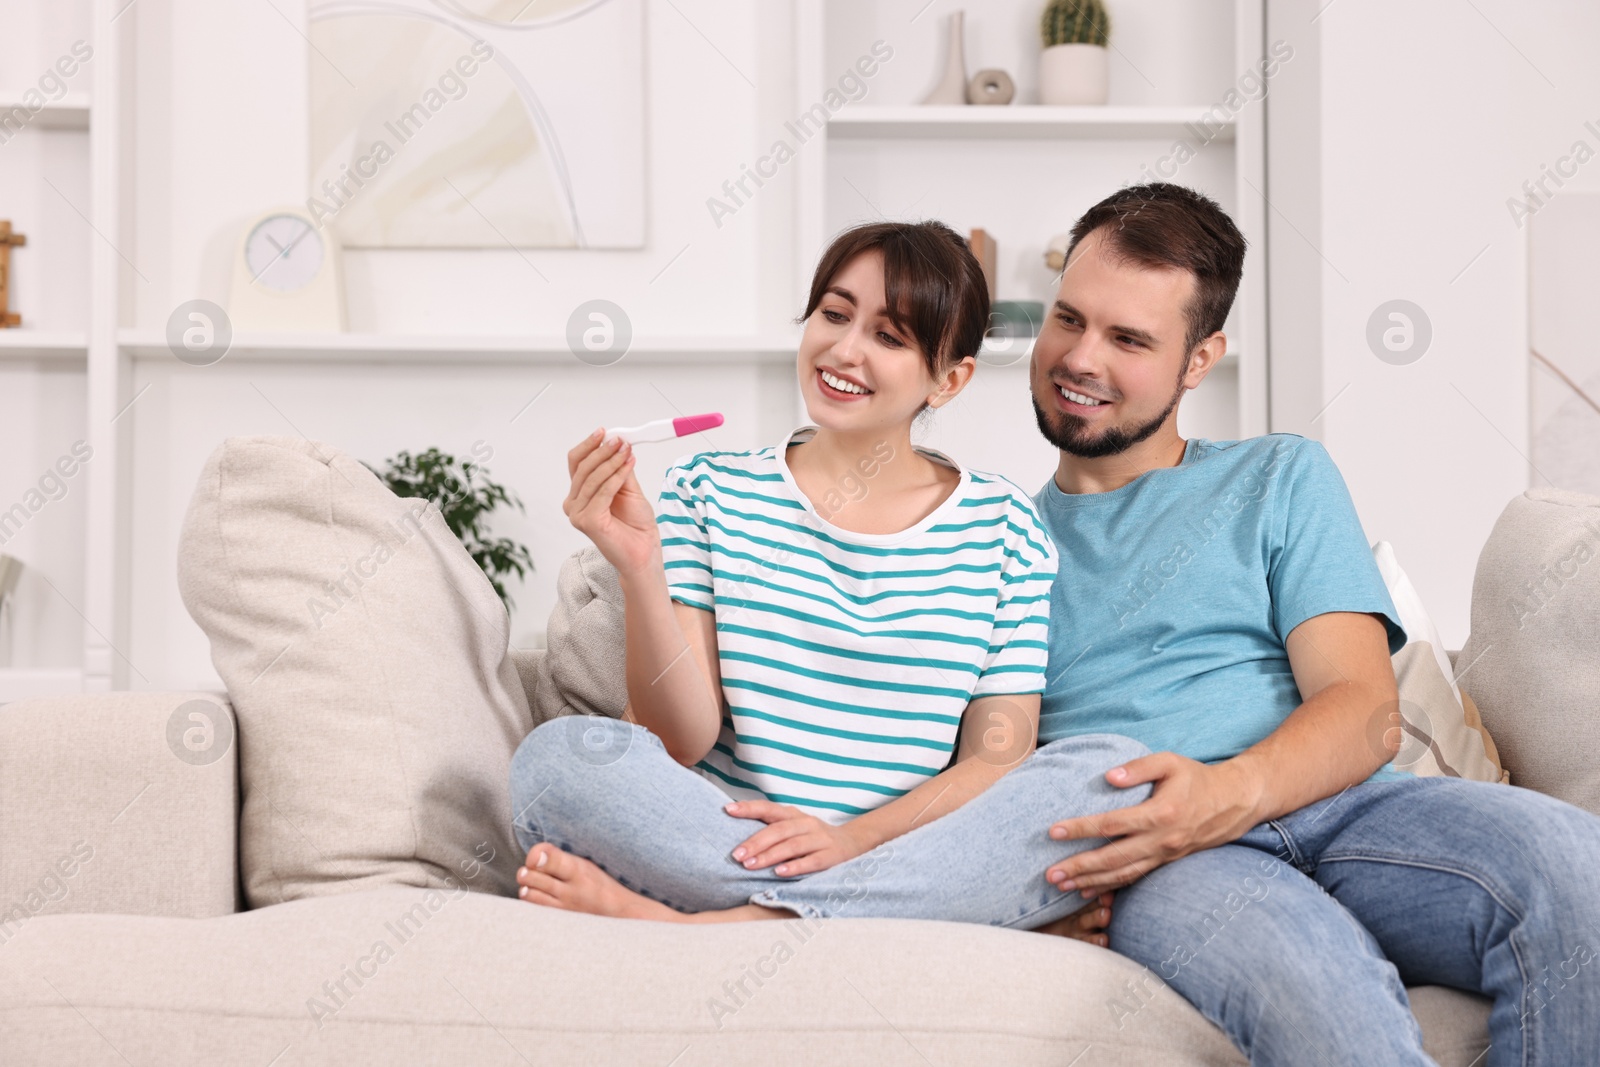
(952, 87)
(1073, 74)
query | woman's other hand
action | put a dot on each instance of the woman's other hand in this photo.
(606, 503)
(797, 842)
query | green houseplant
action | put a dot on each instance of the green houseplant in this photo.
(466, 497)
(1073, 68)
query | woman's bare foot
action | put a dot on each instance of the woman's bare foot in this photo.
(1088, 924)
(558, 879)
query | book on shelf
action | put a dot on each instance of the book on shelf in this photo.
(10, 571)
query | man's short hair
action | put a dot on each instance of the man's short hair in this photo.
(1165, 225)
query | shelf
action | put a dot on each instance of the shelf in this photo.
(71, 112)
(18, 684)
(446, 350)
(1195, 124)
(423, 349)
(23, 344)
(993, 354)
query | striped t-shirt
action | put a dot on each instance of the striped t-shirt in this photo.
(848, 659)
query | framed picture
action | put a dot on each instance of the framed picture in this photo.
(477, 123)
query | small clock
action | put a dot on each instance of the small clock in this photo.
(287, 276)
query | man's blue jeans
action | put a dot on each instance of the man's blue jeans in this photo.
(1297, 940)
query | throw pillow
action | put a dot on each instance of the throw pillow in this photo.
(584, 667)
(365, 655)
(1441, 735)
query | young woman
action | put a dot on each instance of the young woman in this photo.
(830, 642)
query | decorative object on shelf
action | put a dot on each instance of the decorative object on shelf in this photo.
(952, 87)
(8, 241)
(1055, 253)
(465, 496)
(1016, 318)
(287, 276)
(10, 571)
(991, 87)
(1073, 68)
(983, 249)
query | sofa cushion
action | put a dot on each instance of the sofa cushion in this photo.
(584, 670)
(1532, 661)
(445, 977)
(365, 654)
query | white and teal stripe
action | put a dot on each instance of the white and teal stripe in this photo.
(848, 659)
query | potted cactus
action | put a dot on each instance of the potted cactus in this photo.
(1072, 68)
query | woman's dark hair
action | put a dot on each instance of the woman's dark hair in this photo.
(933, 286)
(1166, 225)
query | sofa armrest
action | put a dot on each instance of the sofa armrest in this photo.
(118, 802)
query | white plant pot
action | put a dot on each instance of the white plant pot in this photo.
(1073, 74)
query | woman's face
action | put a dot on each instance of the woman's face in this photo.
(858, 370)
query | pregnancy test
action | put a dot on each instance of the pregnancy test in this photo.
(665, 429)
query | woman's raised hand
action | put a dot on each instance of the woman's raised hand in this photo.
(606, 503)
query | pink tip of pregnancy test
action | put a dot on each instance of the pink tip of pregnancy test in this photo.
(695, 423)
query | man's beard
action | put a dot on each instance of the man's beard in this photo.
(1073, 436)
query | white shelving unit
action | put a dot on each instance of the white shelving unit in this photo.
(46, 170)
(986, 160)
(1024, 171)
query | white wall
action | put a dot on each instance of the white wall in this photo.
(1426, 117)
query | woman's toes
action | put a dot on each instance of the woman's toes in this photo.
(563, 866)
(539, 855)
(537, 880)
(542, 885)
(538, 896)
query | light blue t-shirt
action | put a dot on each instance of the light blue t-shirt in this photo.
(1176, 592)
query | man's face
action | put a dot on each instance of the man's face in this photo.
(1110, 364)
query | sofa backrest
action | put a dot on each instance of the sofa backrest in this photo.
(1532, 662)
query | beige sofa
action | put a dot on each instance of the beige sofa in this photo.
(124, 934)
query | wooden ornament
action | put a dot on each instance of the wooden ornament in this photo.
(983, 249)
(8, 241)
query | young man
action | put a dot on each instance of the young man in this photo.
(1218, 602)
